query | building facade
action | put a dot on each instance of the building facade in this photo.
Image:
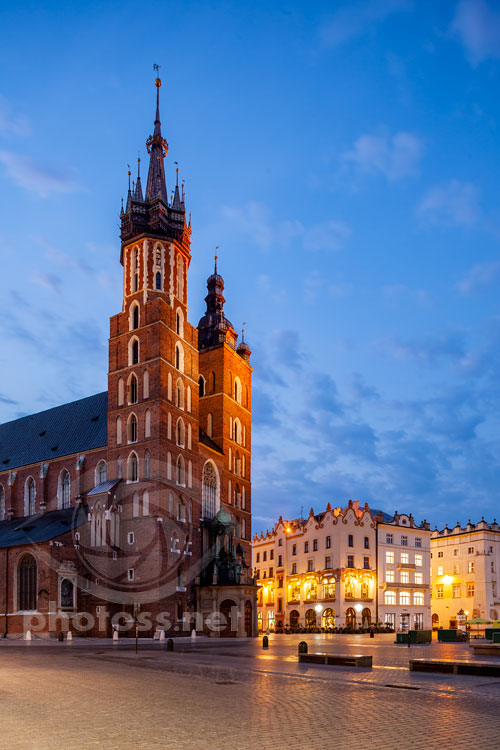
(465, 564)
(138, 500)
(331, 570)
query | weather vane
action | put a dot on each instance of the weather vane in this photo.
(157, 68)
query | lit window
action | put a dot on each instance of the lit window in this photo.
(470, 567)
(390, 597)
(456, 591)
(418, 598)
(418, 561)
(389, 576)
(389, 557)
(470, 589)
(404, 597)
(404, 576)
(419, 578)
(440, 570)
(439, 591)
(405, 558)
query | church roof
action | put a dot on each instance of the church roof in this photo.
(41, 528)
(71, 428)
(206, 440)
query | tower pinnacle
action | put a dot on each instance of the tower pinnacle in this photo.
(157, 147)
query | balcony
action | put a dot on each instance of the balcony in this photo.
(328, 598)
(269, 602)
(406, 566)
(294, 600)
(399, 585)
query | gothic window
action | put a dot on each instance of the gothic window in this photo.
(133, 468)
(135, 504)
(243, 527)
(190, 514)
(201, 384)
(188, 398)
(136, 281)
(179, 323)
(145, 503)
(210, 424)
(179, 357)
(209, 491)
(237, 390)
(169, 465)
(145, 384)
(64, 489)
(2, 503)
(212, 382)
(147, 424)
(118, 430)
(132, 395)
(120, 392)
(119, 469)
(237, 431)
(180, 471)
(181, 511)
(170, 504)
(102, 471)
(237, 464)
(169, 387)
(29, 497)
(179, 433)
(189, 437)
(169, 426)
(132, 429)
(190, 474)
(67, 594)
(133, 351)
(27, 575)
(180, 278)
(158, 280)
(179, 394)
(134, 319)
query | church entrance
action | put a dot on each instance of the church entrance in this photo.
(230, 628)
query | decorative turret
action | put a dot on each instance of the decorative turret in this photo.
(152, 214)
(214, 328)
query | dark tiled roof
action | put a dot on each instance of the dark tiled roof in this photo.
(70, 428)
(386, 516)
(209, 442)
(104, 487)
(41, 528)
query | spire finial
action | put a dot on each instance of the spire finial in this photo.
(216, 258)
(129, 173)
(157, 149)
(243, 334)
(138, 167)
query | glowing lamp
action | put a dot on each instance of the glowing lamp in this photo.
(318, 608)
(358, 607)
(447, 579)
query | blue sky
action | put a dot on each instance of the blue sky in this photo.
(346, 160)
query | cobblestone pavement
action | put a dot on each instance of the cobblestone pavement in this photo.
(233, 695)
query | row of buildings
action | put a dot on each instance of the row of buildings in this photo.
(356, 567)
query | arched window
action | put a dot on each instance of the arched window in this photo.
(179, 323)
(179, 357)
(169, 465)
(27, 575)
(120, 392)
(190, 474)
(133, 351)
(134, 316)
(237, 390)
(118, 430)
(243, 529)
(135, 505)
(158, 281)
(147, 424)
(181, 511)
(188, 398)
(119, 467)
(201, 385)
(133, 468)
(237, 464)
(169, 426)
(179, 433)
(237, 430)
(180, 471)
(190, 514)
(243, 499)
(189, 437)
(212, 382)
(145, 503)
(209, 490)
(67, 594)
(2, 503)
(237, 496)
(29, 497)
(350, 618)
(179, 394)
(132, 429)
(169, 387)
(180, 278)
(145, 384)
(132, 389)
(64, 489)
(210, 424)
(102, 472)
(170, 504)
(147, 464)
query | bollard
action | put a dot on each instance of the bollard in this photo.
(27, 635)
(265, 642)
(60, 637)
(162, 636)
(115, 634)
(69, 636)
(302, 647)
(170, 644)
(193, 634)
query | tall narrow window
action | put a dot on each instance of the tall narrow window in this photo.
(147, 466)
(132, 429)
(119, 468)
(188, 398)
(64, 489)
(133, 468)
(145, 503)
(147, 424)
(179, 357)
(136, 281)
(169, 465)
(169, 426)
(132, 399)
(120, 392)
(27, 587)
(189, 437)
(29, 497)
(158, 281)
(101, 472)
(179, 394)
(209, 493)
(135, 504)
(212, 382)
(210, 424)
(179, 323)
(118, 430)
(179, 433)
(201, 384)
(135, 316)
(169, 387)
(135, 351)
(180, 471)
(180, 278)
(145, 384)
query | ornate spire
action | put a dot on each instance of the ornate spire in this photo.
(138, 186)
(157, 149)
(176, 202)
(129, 194)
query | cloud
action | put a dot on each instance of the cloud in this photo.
(452, 204)
(48, 280)
(264, 411)
(431, 349)
(255, 221)
(360, 390)
(394, 157)
(315, 283)
(11, 122)
(478, 28)
(480, 276)
(34, 178)
(401, 292)
(356, 19)
(323, 396)
(286, 349)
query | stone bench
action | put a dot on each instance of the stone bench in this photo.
(489, 649)
(358, 660)
(450, 666)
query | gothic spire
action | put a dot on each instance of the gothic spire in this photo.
(157, 149)
(176, 202)
(138, 185)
